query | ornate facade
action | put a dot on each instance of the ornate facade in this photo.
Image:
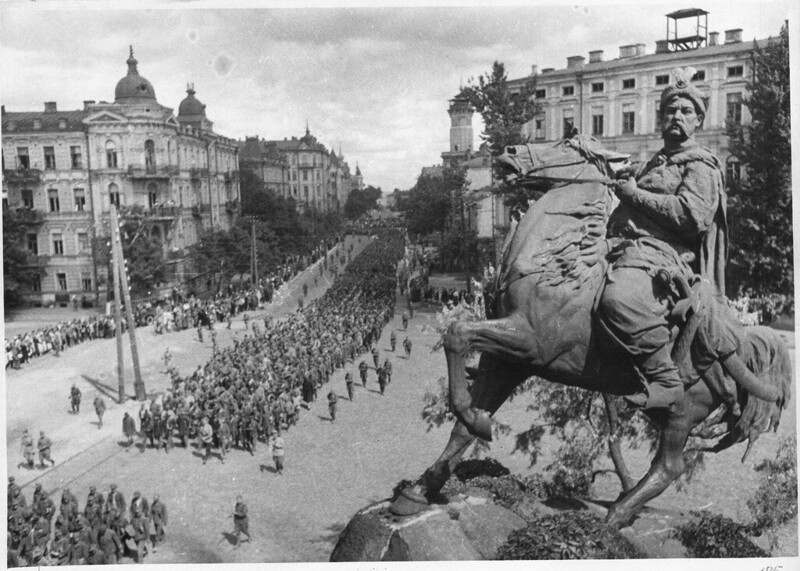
(65, 168)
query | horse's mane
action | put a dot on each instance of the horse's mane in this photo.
(565, 253)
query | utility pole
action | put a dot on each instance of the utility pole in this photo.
(118, 319)
(122, 272)
(254, 274)
(464, 244)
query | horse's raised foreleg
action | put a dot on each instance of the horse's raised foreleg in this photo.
(509, 339)
(668, 463)
(496, 381)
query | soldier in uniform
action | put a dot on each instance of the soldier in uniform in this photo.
(99, 409)
(128, 429)
(44, 445)
(333, 400)
(393, 339)
(382, 379)
(241, 521)
(387, 366)
(115, 500)
(671, 217)
(407, 347)
(362, 369)
(348, 381)
(375, 355)
(158, 511)
(28, 453)
(278, 451)
(206, 438)
(75, 399)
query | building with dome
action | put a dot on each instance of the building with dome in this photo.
(65, 169)
(302, 169)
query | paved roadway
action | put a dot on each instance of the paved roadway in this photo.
(333, 469)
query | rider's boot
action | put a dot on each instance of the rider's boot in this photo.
(664, 387)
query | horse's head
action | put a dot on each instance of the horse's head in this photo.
(579, 159)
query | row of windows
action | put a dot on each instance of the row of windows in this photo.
(61, 282)
(630, 83)
(57, 242)
(24, 159)
(733, 116)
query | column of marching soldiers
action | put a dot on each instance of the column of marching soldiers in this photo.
(248, 392)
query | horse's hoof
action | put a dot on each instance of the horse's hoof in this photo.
(482, 424)
(411, 501)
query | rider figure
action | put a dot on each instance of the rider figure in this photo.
(671, 216)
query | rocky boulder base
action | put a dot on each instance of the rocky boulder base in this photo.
(465, 529)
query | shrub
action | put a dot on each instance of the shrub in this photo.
(567, 535)
(713, 535)
(775, 500)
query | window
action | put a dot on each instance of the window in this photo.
(50, 158)
(80, 199)
(733, 172)
(658, 116)
(734, 108)
(568, 124)
(23, 160)
(150, 156)
(700, 75)
(111, 155)
(628, 118)
(736, 71)
(152, 196)
(33, 244)
(568, 90)
(305, 175)
(540, 93)
(83, 242)
(75, 154)
(58, 245)
(597, 87)
(62, 282)
(538, 132)
(662, 80)
(597, 125)
(113, 194)
(52, 197)
(27, 198)
(86, 282)
(629, 83)
(36, 283)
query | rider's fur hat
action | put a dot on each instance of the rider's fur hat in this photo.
(682, 87)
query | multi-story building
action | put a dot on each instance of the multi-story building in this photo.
(65, 168)
(302, 169)
(617, 101)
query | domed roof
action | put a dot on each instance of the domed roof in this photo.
(190, 105)
(133, 88)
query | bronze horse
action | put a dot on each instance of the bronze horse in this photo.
(552, 270)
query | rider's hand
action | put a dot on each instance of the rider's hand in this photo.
(625, 188)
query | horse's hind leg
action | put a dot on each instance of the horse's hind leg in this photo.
(668, 463)
(496, 381)
(509, 339)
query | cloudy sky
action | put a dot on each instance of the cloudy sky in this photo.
(374, 81)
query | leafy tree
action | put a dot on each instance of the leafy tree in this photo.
(17, 274)
(360, 202)
(143, 250)
(505, 111)
(760, 205)
(430, 200)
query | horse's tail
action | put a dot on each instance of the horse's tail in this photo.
(765, 355)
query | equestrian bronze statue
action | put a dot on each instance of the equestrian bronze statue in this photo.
(546, 319)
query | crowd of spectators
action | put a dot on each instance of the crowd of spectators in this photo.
(104, 532)
(174, 313)
(256, 388)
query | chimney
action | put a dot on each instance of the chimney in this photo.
(548, 70)
(733, 36)
(596, 56)
(627, 51)
(50, 107)
(640, 49)
(662, 46)
(534, 70)
(575, 61)
(88, 102)
(713, 38)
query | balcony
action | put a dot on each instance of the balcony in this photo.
(139, 171)
(163, 212)
(198, 173)
(232, 206)
(22, 175)
(199, 209)
(30, 216)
